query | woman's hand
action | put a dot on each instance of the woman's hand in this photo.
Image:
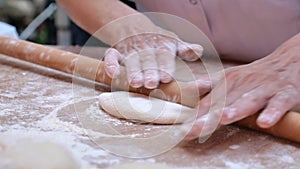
(270, 85)
(147, 51)
(149, 58)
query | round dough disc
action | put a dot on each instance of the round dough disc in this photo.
(142, 108)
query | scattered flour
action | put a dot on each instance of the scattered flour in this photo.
(287, 159)
(234, 147)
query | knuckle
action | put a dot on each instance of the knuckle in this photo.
(289, 93)
(135, 76)
(165, 52)
(167, 68)
(150, 72)
(122, 47)
(132, 71)
(130, 56)
(147, 57)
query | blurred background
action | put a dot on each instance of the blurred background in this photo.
(42, 21)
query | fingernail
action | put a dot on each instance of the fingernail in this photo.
(267, 118)
(151, 82)
(197, 49)
(228, 115)
(165, 78)
(137, 82)
(136, 85)
(151, 85)
(263, 120)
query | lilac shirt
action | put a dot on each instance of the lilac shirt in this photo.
(243, 30)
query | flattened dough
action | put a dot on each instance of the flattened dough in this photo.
(138, 107)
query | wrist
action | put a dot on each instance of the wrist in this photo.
(128, 26)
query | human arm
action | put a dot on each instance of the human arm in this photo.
(91, 15)
(146, 50)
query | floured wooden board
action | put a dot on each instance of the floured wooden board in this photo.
(42, 105)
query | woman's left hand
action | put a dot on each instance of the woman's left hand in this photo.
(270, 85)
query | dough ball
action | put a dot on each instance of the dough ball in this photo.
(27, 154)
(138, 107)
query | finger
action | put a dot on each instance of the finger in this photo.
(215, 81)
(203, 127)
(193, 130)
(189, 52)
(236, 86)
(150, 69)
(210, 113)
(205, 104)
(277, 107)
(213, 105)
(190, 89)
(133, 69)
(111, 62)
(203, 84)
(166, 64)
(216, 97)
(248, 104)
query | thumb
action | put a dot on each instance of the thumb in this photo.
(112, 61)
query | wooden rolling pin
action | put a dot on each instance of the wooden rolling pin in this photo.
(93, 69)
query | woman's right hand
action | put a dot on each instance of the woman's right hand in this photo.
(149, 58)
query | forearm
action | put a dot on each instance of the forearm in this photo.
(91, 15)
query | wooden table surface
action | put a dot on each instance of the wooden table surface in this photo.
(44, 104)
